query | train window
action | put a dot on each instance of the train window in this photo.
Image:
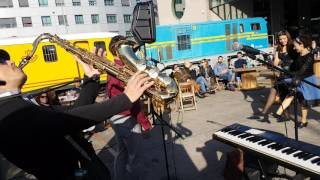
(49, 53)
(184, 42)
(255, 26)
(100, 44)
(241, 28)
(169, 52)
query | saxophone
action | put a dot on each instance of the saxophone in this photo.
(163, 90)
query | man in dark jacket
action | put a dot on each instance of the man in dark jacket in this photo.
(45, 142)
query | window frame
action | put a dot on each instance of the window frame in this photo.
(45, 24)
(23, 23)
(75, 19)
(49, 57)
(183, 42)
(98, 19)
(115, 19)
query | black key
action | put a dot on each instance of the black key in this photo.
(286, 150)
(244, 135)
(309, 156)
(257, 139)
(315, 160)
(303, 155)
(298, 154)
(318, 163)
(262, 142)
(279, 147)
(266, 143)
(292, 150)
(235, 133)
(226, 129)
(251, 138)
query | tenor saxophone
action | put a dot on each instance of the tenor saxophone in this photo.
(163, 90)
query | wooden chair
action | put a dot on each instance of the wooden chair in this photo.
(187, 97)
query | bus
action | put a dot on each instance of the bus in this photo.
(51, 64)
(195, 41)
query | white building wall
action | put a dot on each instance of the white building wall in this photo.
(35, 12)
(195, 11)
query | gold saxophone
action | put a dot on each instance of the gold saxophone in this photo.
(163, 90)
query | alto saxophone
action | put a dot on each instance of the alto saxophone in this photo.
(163, 90)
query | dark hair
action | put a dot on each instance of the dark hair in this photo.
(304, 39)
(4, 56)
(113, 42)
(289, 44)
(239, 52)
(220, 57)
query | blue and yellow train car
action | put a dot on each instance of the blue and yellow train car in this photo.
(200, 40)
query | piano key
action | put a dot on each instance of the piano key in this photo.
(245, 135)
(309, 156)
(315, 160)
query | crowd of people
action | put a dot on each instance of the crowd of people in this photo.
(50, 143)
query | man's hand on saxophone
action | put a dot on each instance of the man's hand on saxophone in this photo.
(137, 84)
(88, 69)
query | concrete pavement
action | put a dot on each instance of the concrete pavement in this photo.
(199, 156)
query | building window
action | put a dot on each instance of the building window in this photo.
(95, 18)
(184, 42)
(128, 34)
(46, 20)
(100, 45)
(111, 18)
(127, 18)
(43, 3)
(6, 4)
(49, 53)
(59, 2)
(23, 3)
(26, 22)
(8, 23)
(76, 3)
(79, 19)
(62, 19)
(92, 2)
(108, 2)
(255, 26)
(125, 2)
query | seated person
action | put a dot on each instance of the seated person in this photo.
(239, 63)
(184, 75)
(206, 71)
(221, 70)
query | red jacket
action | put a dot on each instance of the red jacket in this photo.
(115, 87)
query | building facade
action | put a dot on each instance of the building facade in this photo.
(33, 17)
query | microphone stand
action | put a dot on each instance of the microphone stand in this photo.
(163, 123)
(294, 90)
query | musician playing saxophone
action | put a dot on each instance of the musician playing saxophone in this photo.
(44, 141)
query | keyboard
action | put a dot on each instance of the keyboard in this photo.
(296, 155)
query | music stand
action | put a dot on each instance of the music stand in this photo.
(252, 56)
(163, 123)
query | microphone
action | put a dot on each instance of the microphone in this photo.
(248, 49)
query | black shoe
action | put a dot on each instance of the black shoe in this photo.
(260, 117)
(281, 118)
(199, 95)
(302, 125)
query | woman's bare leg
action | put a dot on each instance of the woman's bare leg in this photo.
(285, 104)
(304, 114)
(270, 101)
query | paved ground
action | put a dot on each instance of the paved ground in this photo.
(199, 156)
